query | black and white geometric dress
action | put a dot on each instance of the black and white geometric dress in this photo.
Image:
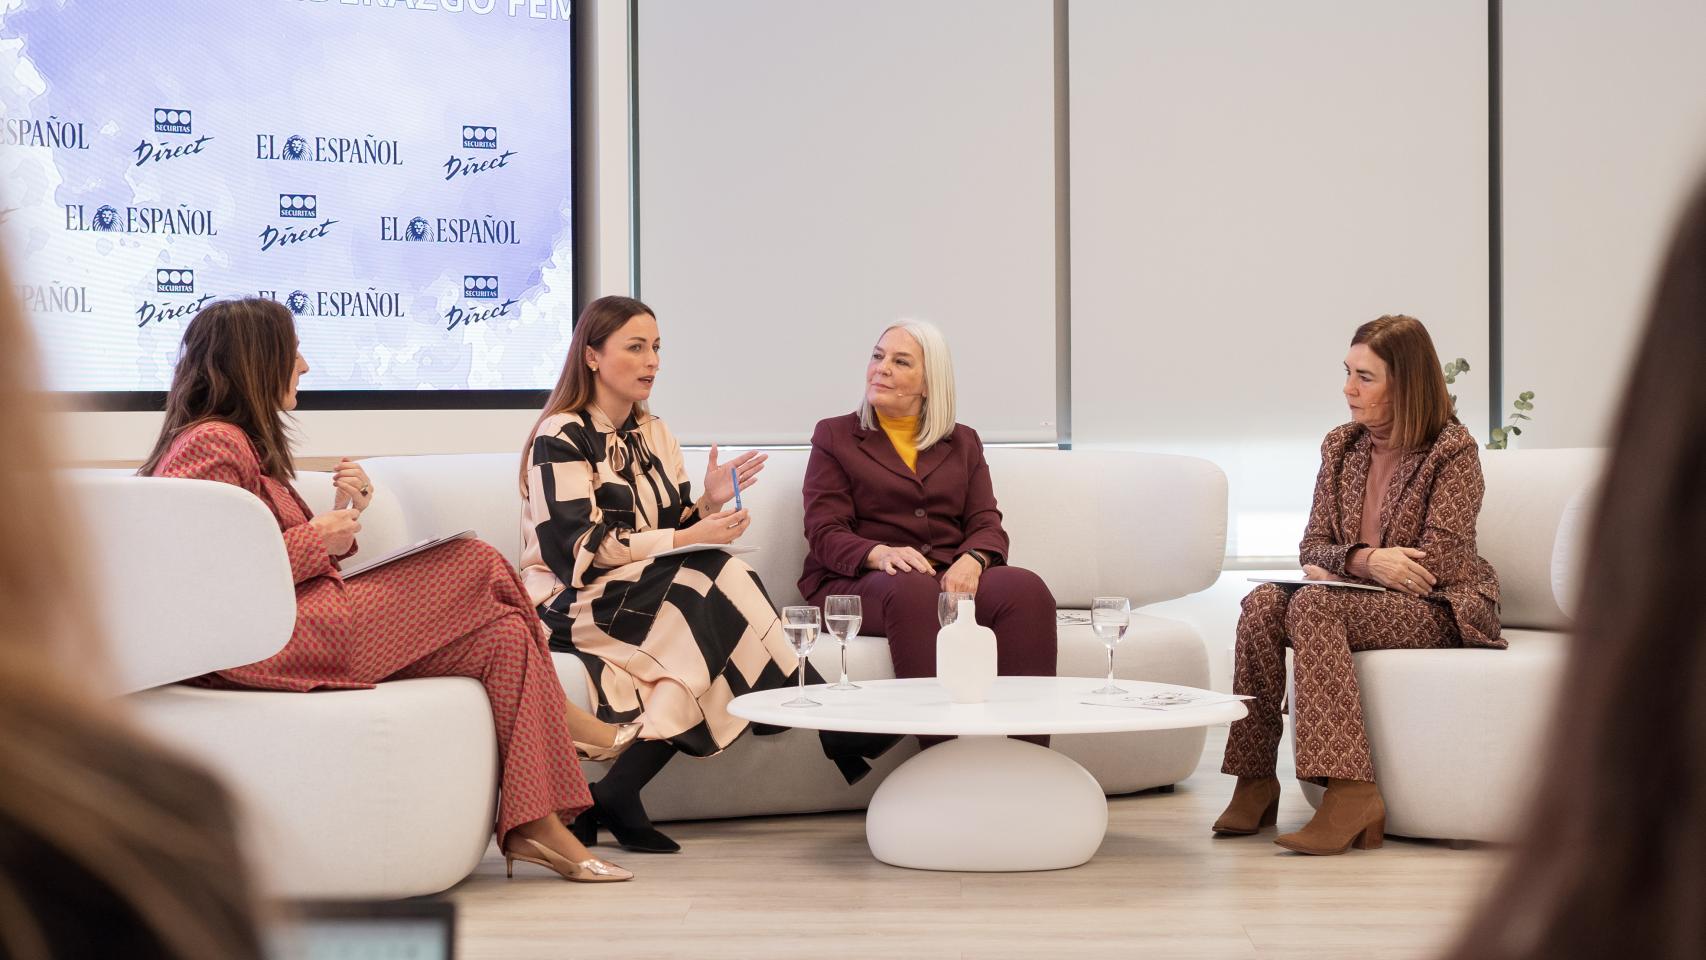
(667, 640)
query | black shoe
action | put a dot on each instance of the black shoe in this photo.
(585, 828)
(627, 822)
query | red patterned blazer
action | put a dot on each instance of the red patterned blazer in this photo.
(220, 451)
(1431, 504)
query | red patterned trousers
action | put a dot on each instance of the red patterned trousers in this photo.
(466, 597)
(1323, 626)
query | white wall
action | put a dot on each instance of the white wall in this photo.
(1605, 129)
(811, 172)
(1251, 181)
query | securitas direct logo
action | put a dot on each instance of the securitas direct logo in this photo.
(480, 138)
(475, 137)
(174, 281)
(371, 303)
(170, 120)
(295, 206)
(483, 230)
(477, 286)
(171, 280)
(360, 150)
(304, 206)
(179, 221)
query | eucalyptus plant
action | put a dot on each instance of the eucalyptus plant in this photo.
(1523, 404)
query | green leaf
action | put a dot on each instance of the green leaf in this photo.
(1517, 431)
(1526, 395)
(1521, 416)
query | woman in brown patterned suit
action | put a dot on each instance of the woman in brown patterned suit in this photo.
(1396, 502)
(667, 641)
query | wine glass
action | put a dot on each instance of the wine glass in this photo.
(1109, 618)
(800, 625)
(948, 606)
(842, 614)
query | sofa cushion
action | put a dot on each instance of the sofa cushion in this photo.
(1455, 733)
(357, 794)
(1527, 493)
(1146, 526)
(171, 607)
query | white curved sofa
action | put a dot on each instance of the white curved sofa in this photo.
(1457, 734)
(389, 792)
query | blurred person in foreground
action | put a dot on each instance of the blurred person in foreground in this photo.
(1613, 862)
(109, 845)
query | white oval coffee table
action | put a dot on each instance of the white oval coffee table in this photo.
(983, 802)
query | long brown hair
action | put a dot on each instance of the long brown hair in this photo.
(574, 389)
(1421, 405)
(235, 366)
(1614, 860)
(108, 845)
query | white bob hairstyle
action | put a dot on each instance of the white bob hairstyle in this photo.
(936, 420)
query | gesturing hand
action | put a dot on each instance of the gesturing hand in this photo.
(1396, 568)
(893, 560)
(338, 529)
(719, 486)
(351, 486)
(962, 575)
(720, 528)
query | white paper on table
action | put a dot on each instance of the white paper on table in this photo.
(1168, 700)
(732, 549)
(1304, 581)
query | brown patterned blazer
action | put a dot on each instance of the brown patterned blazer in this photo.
(1432, 504)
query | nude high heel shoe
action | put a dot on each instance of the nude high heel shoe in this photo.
(626, 735)
(590, 870)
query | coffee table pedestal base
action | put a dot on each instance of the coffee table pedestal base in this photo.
(987, 804)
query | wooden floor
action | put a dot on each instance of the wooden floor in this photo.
(806, 887)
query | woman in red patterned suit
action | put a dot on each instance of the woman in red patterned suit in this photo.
(1396, 502)
(456, 610)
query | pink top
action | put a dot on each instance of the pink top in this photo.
(1383, 462)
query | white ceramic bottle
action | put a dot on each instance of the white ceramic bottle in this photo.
(965, 656)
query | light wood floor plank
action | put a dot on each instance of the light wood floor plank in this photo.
(806, 888)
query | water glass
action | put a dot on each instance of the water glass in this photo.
(948, 606)
(1109, 618)
(800, 625)
(842, 614)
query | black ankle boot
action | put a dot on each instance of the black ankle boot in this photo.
(626, 820)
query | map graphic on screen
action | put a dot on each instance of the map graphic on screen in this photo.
(397, 172)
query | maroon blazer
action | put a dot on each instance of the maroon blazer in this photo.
(860, 494)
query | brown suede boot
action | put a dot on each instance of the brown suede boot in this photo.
(1255, 804)
(1351, 815)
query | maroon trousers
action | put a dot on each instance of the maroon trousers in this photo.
(1012, 601)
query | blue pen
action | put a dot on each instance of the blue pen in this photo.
(736, 475)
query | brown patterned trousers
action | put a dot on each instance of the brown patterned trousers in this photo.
(1323, 626)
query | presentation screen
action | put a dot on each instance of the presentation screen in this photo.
(396, 172)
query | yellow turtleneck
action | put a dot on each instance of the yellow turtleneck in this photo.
(903, 433)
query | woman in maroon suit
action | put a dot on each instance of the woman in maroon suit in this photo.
(458, 610)
(899, 507)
